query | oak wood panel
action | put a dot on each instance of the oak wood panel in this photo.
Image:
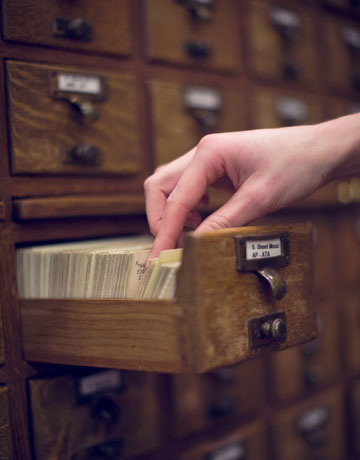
(30, 21)
(252, 438)
(65, 427)
(265, 56)
(350, 314)
(290, 443)
(341, 67)
(215, 397)
(119, 334)
(42, 129)
(74, 206)
(175, 130)
(2, 210)
(339, 107)
(170, 26)
(264, 110)
(307, 368)
(5, 431)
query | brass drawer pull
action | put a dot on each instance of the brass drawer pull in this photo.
(199, 9)
(109, 450)
(85, 155)
(75, 29)
(198, 50)
(85, 107)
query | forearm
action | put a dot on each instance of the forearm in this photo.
(341, 155)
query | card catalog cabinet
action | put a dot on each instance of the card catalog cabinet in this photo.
(274, 108)
(350, 311)
(312, 365)
(311, 429)
(202, 401)
(280, 41)
(100, 415)
(353, 406)
(5, 433)
(71, 120)
(247, 443)
(343, 62)
(182, 113)
(198, 34)
(78, 25)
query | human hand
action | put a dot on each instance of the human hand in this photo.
(266, 170)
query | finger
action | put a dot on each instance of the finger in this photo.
(193, 219)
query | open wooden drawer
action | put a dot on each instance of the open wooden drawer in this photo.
(220, 315)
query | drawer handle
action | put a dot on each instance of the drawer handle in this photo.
(85, 107)
(107, 411)
(198, 50)
(199, 9)
(75, 29)
(85, 155)
(109, 450)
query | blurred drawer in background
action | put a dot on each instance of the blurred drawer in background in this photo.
(350, 5)
(312, 429)
(194, 33)
(343, 62)
(281, 38)
(201, 401)
(106, 414)
(246, 443)
(70, 120)
(2, 348)
(273, 108)
(6, 452)
(354, 416)
(81, 25)
(340, 107)
(350, 312)
(183, 113)
(310, 366)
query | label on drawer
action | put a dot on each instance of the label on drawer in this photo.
(263, 249)
(351, 37)
(101, 381)
(232, 451)
(79, 83)
(285, 18)
(202, 98)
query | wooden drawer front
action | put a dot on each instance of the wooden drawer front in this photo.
(340, 107)
(201, 401)
(247, 443)
(2, 348)
(175, 34)
(354, 416)
(273, 108)
(345, 4)
(73, 418)
(177, 128)
(312, 365)
(281, 37)
(81, 25)
(5, 432)
(350, 309)
(50, 134)
(312, 429)
(343, 39)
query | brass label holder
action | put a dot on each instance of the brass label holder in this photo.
(263, 254)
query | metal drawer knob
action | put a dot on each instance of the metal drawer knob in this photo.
(76, 29)
(198, 50)
(85, 154)
(275, 329)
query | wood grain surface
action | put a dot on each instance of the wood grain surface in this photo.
(264, 49)
(5, 433)
(170, 26)
(66, 427)
(75, 206)
(43, 129)
(30, 21)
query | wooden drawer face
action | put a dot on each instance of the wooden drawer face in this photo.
(55, 131)
(247, 443)
(273, 108)
(310, 366)
(201, 401)
(312, 429)
(281, 37)
(343, 63)
(81, 25)
(73, 418)
(2, 347)
(350, 308)
(177, 127)
(5, 432)
(340, 107)
(176, 34)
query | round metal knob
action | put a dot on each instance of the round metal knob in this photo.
(107, 410)
(85, 154)
(198, 50)
(275, 329)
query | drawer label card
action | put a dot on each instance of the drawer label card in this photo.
(351, 37)
(313, 419)
(285, 18)
(263, 249)
(99, 382)
(232, 451)
(292, 109)
(202, 98)
(79, 83)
